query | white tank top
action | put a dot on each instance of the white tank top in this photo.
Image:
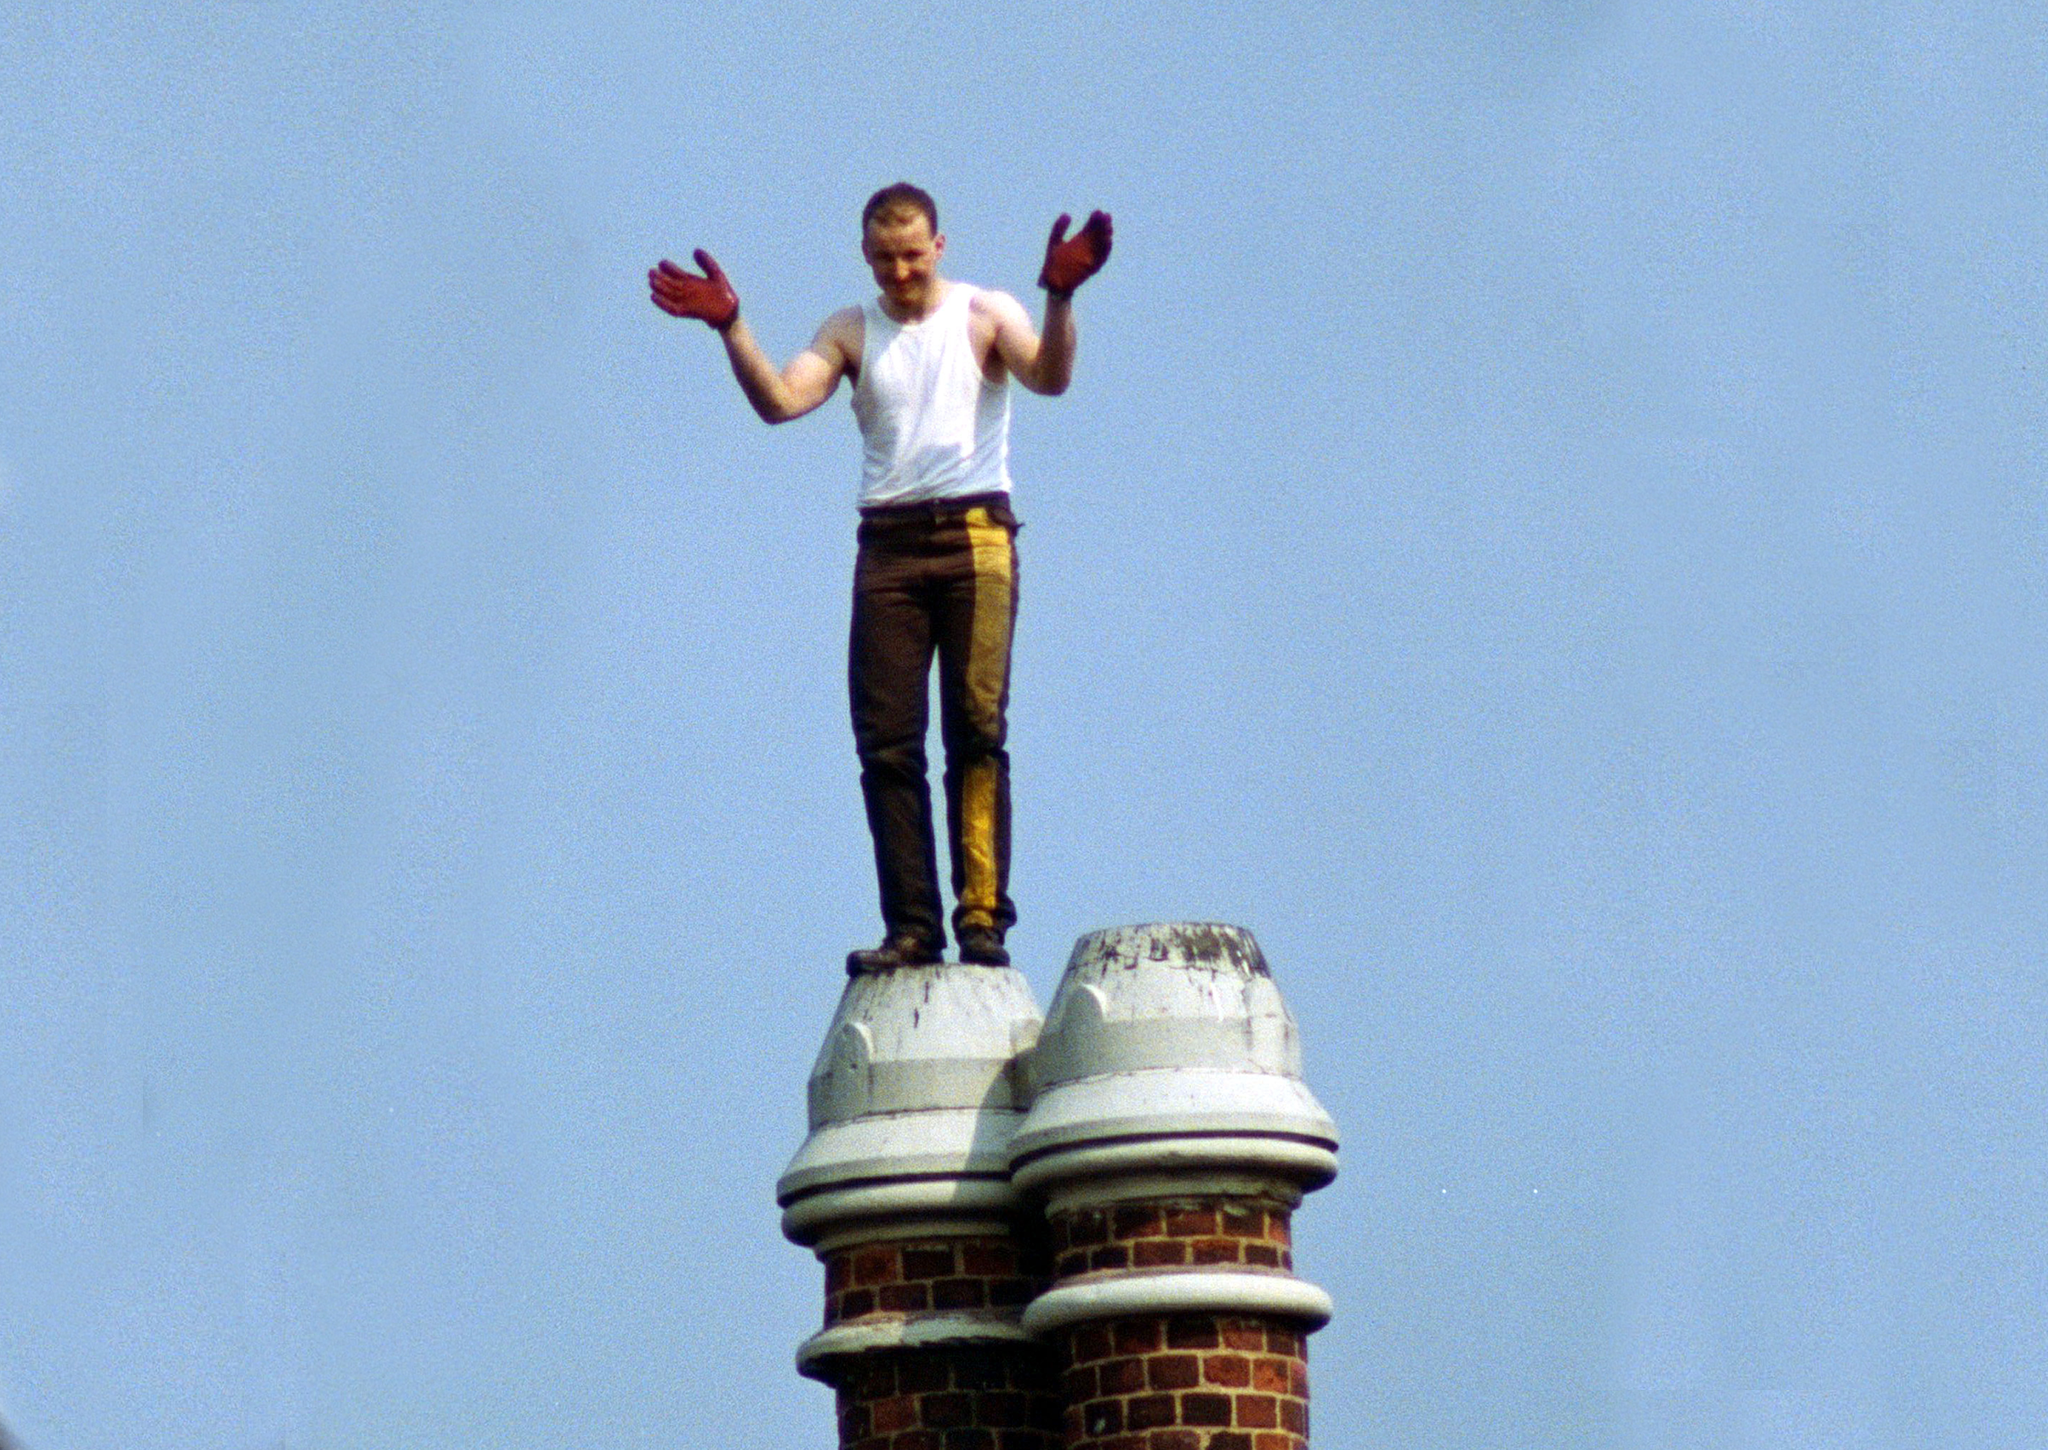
(931, 423)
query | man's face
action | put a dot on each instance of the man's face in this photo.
(904, 256)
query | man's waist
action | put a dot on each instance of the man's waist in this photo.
(929, 510)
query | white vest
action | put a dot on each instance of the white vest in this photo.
(931, 424)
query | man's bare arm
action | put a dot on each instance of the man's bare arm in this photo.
(777, 396)
(1046, 364)
(810, 378)
(1042, 363)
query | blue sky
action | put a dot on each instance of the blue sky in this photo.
(1548, 532)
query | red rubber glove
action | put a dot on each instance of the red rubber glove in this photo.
(1070, 261)
(708, 298)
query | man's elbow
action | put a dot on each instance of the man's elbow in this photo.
(785, 404)
(1047, 382)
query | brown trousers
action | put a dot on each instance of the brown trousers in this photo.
(941, 577)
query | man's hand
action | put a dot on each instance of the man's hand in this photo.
(708, 298)
(1070, 261)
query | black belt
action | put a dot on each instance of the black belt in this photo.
(932, 508)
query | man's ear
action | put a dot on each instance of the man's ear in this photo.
(939, 245)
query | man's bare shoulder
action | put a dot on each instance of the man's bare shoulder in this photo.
(841, 333)
(993, 316)
(996, 306)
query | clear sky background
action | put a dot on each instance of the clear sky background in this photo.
(1548, 532)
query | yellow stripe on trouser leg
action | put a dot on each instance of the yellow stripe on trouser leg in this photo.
(988, 668)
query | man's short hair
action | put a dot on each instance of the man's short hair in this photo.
(899, 197)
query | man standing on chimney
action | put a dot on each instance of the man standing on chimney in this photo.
(931, 361)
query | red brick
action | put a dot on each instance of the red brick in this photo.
(1090, 1341)
(1277, 1229)
(1136, 1336)
(1138, 1221)
(875, 1266)
(919, 1440)
(1123, 1442)
(904, 1298)
(1072, 1425)
(1286, 1260)
(970, 1438)
(1122, 1376)
(1070, 1264)
(948, 1411)
(1189, 1331)
(1148, 1412)
(1087, 1227)
(838, 1270)
(988, 1260)
(1297, 1379)
(1294, 1415)
(1110, 1256)
(1258, 1412)
(896, 1413)
(1176, 1440)
(1278, 1442)
(1078, 1384)
(1245, 1223)
(1269, 1375)
(1227, 1369)
(1102, 1417)
(980, 1369)
(1229, 1440)
(1284, 1341)
(1189, 1223)
(856, 1302)
(1002, 1409)
(1215, 1251)
(1205, 1409)
(928, 1263)
(959, 1294)
(1152, 1253)
(1173, 1371)
(875, 1381)
(1244, 1334)
(1264, 1254)
(923, 1373)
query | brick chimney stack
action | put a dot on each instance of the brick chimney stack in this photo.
(1170, 1140)
(1071, 1237)
(902, 1190)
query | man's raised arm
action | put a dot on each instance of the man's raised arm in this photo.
(1045, 364)
(777, 396)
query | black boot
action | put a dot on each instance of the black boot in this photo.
(898, 949)
(983, 946)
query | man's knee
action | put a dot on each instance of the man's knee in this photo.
(975, 730)
(891, 754)
(969, 749)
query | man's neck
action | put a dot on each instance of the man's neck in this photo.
(895, 313)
